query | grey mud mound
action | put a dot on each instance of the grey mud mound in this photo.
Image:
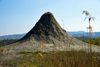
(49, 31)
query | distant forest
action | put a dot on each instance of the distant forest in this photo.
(95, 41)
(7, 41)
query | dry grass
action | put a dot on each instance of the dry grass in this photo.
(55, 59)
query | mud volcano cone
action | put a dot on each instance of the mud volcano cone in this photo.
(47, 29)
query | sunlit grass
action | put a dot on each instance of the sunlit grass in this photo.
(56, 59)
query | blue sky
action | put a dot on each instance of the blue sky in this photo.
(19, 16)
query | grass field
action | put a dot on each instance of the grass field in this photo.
(55, 59)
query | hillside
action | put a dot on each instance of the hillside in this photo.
(84, 34)
(13, 36)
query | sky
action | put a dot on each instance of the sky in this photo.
(19, 16)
